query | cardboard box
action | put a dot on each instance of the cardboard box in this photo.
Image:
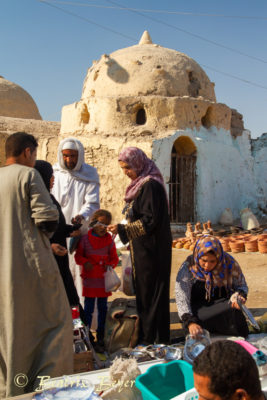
(83, 362)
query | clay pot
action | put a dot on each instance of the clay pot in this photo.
(237, 246)
(187, 245)
(226, 247)
(178, 243)
(262, 236)
(225, 244)
(225, 239)
(262, 244)
(247, 237)
(239, 237)
(251, 245)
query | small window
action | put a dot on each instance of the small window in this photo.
(141, 117)
(85, 116)
(206, 120)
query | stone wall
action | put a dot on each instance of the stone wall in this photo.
(100, 151)
(46, 132)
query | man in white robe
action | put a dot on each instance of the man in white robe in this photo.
(35, 319)
(76, 188)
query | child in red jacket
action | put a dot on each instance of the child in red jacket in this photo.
(96, 250)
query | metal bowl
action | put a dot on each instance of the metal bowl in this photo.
(173, 353)
(156, 350)
(140, 356)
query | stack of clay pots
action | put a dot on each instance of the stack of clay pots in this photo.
(246, 242)
(251, 243)
(225, 242)
(262, 243)
(191, 236)
(183, 243)
(236, 243)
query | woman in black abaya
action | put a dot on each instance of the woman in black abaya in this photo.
(149, 235)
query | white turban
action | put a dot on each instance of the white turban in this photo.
(81, 170)
(69, 145)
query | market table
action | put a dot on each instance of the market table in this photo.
(100, 378)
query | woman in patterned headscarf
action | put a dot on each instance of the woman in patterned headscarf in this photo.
(207, 285)
(149, 235)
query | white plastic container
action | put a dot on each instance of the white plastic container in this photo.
(191, 394)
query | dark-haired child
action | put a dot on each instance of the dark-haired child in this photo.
(96, 250)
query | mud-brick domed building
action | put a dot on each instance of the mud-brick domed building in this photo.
(19, 112)
(15, 102)
(162, 101)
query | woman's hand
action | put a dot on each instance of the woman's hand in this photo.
(75, 233)
(77, 219)
(194, 329)
(88, 266)
(59, 250)
(234, 303)
(113, 229)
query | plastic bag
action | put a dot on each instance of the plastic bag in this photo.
(122, 325)
(248, 219)
(127, 285)
(226, 217)
(112, 281)
(118, 242)
(194, 345)
(73, 243)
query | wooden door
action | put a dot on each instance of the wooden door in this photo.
(182, 187)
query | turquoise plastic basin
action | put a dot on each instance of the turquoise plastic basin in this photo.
(164, 381)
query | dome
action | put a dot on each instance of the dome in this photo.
(15, 102)
(147, 69)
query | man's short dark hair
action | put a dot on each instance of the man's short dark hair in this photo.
(229, 367)
(19, 141)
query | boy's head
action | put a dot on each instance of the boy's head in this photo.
(99, 221)
(226, 371)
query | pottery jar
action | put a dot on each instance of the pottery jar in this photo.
(225, 244)
(237, 246)
(251, 245)
(262, 244)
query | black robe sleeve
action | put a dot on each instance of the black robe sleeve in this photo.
(146, 213)
(63, 230)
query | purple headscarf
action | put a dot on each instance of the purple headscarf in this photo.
(144, 167)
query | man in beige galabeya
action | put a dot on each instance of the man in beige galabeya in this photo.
(35, 319)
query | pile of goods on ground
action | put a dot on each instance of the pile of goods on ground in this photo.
(234, 240)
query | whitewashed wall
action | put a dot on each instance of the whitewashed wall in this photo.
(259, 152)
(225, 171)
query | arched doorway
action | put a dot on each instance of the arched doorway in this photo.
(182, 180)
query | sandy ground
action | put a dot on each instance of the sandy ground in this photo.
(254, 266)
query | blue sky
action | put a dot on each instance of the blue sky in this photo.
(48, 51)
